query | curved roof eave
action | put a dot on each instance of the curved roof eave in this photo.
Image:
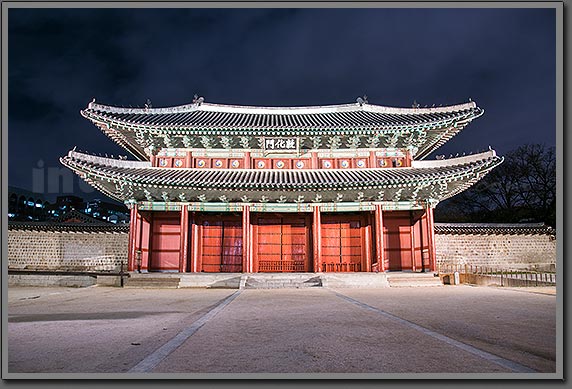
(226, 108)
(113, 177)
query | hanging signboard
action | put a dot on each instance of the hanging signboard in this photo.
(280, 144)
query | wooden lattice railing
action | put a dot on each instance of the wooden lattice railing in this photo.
(282, 266)
(506, 277)
(341, 267)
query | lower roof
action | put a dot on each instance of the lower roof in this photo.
(138, 181)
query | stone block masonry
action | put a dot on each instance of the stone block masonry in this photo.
(499, 250)
(43, 280)
(67, 250)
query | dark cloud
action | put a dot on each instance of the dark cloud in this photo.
(59, 59)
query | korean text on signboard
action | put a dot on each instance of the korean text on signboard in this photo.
(280, 144)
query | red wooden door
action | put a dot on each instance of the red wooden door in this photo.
(221, 244)
(165, 241)
(397, 239)
(343, 243)
(420, 240)
(282, 243)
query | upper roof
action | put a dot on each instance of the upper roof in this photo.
(133, 128)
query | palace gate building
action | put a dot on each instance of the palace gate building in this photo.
(223, 188)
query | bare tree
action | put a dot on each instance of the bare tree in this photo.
(523, 188)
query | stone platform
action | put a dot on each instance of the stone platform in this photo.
(280, 280)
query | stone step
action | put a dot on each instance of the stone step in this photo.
(413, 280)
(278, 281)
(211, 280)
(355, 280)
(152, 282)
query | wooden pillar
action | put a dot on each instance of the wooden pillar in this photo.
(246, 241)
(184, 249)
(133, 235)
(314, 160)
(379, 249)
(195, 242)
(412, 236)
(317, 239)
(188, 160)
(423, 242)
(246, 160)
(431, 239)
(146, 240)
(367, 242)
(372, 159)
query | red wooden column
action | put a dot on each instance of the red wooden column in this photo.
(133, 235)
(314, 160)
(195, 242)
(184, 250)
(246, 160)
(412, 236)
(431, 239)
(317, 239)
(143, 242)
(367, 243)
(379, 249)
(372, 159)
(246, 241)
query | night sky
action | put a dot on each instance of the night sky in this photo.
(60, 59)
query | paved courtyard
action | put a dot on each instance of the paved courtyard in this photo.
(449, 329)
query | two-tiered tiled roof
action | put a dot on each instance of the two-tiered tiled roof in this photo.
(420, 129)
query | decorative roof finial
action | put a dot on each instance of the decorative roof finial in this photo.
(415, 104)
(198, 100)
(362, 100)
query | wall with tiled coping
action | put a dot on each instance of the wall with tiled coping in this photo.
(70, 251)
(97, 251)
(522, 251)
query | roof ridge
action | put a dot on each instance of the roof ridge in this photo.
(285, 110)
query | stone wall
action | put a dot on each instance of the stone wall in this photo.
(106, 251)
(521, 251)
(67, 250)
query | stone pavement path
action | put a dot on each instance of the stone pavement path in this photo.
(454, 329)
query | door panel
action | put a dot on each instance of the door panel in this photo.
(343, 242)
(397, 239)
(221, 243)
(282, 243)
(165, 241)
